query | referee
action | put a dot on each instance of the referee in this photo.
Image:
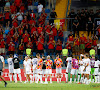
(2, 65)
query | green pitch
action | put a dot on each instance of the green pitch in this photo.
(53, 86)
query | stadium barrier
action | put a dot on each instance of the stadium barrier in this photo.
(6, 75)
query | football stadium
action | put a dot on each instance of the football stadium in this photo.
(50, 44)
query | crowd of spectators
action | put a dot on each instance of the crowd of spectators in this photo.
(21, 28)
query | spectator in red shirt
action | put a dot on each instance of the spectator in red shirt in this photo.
(77, 45)
(8, 38)
(7, 18)
(2, 47)
(71, 38)
(11, 48)
(25, 38)
(88, 44)
(15, 23)
(82, 43)
(41, 20)
(68, 46)
(32, 22)
(40, 48)
(34, 37)
(60, 33)
(32, 14)
(58, 47)
(51, 44)
(44, 15)
(21, 47)
(54, 32)
(22, 7)
(18, 4)
(1, 34)
(1, 18)
(30, 7)
(33, 28)
(39, 29)
(13, 8)
(12, 31)
(29, 44)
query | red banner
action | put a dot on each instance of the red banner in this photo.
(6, 75)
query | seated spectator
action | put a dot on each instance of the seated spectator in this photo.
(68, 46)
(40, 48)
(53, 15)
(19, 17)
(90, 26)
(40, 8)
(77, 45)
(88, 44)
(51, 44)
(82, 43)
(13, 8)
(11, 48)
(21, 48)
(58, 46)
(2, 47)
(76, 26)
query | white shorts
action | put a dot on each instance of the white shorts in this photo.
(18, 71)
(34, 71)
(87, 71)
(39, 71)
(68, 70)
(58, 70)
(74, 71)
(48, 71)
(44, 71)
(81, 68)
(96, 71)
(11, 70)
(28, 71)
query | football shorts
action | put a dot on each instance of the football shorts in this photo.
(18, 71)
(74, 71)
(48, 71)
(58, 70)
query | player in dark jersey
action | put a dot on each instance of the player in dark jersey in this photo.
(17, 68)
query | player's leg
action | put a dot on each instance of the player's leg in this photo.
(15, 75)
(60, 74)
(3, 78)
(10, 76)
(96, 75)
(33, 75)
(36, 75)
(46, 76)
(41, 74)
(75, 75)
(19, 74)
(26, 78)
(72, 73)
(57, 75)
(67, 70)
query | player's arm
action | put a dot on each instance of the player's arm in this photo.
(3, 64)
(41, 65)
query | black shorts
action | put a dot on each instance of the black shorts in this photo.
(1, 72)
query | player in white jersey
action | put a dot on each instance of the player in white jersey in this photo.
(96, 71)
(34, 63)
(27, 69)
(11, 67)
(69, 66)
(87, 68)
(81, 67)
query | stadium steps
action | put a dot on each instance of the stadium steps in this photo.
(61, 8)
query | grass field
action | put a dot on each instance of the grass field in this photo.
(53, 86)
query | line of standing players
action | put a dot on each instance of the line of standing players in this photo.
(38, 66)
